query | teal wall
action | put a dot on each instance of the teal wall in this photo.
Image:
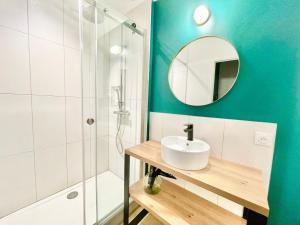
(267, 36)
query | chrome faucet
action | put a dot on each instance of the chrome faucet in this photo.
(190, 131)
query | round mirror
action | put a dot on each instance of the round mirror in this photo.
(204, 71)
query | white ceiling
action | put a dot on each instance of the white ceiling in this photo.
(123, 6)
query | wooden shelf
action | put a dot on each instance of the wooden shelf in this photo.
(174, 205)
(241, 184)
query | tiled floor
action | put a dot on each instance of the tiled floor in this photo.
(58, 210)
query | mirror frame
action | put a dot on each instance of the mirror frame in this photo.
(237, 75)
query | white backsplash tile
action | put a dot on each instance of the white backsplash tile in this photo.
(47, 67)
(17, 187)
(48, 122)
(210, 130)
(239, 145)
(202, 192)
(46, 19)
(13, 14)
(14, 62)
(156, 132)
(16, 134)
(51, 171)
(173, 124)
(231, 206)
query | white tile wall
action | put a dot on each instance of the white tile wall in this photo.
(16, 124)
(74, 162)
(47, 67)
(48, 121)
(40, 101)
(17, 187)
(51, 171)
(14, 63)
(46, 19)
(102, 155)
(229, 140)
(72, 72)
(71, 20)
(13, 14)
(73, 119)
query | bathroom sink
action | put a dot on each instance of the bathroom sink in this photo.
(177, 151)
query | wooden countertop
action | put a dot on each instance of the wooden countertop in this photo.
(174, 205)
(240, 184)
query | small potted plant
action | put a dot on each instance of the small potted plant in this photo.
(152, 180)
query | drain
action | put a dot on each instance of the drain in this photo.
(72, 195)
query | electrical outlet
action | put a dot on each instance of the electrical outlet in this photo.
(264, 139)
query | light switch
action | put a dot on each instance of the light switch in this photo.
(264, 139)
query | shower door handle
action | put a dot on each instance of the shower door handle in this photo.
(90, 121)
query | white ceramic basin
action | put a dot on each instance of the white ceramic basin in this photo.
(177, 151)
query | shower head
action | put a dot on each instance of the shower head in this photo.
(89, 13)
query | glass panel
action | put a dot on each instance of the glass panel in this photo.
(88, 71)
(112, 77)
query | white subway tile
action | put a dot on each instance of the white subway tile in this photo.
(16, 134)
(46, 19)
(17, 188)
(14, 62)
(47, 67)
(13, 14)
(51, 171)
(48, 121)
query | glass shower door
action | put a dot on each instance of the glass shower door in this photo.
(112, 89)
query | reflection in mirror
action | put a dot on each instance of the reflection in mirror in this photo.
(204, 71)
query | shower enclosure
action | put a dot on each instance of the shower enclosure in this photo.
(113, 105)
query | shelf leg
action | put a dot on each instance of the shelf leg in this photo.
(126, 189)
(254, 218)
